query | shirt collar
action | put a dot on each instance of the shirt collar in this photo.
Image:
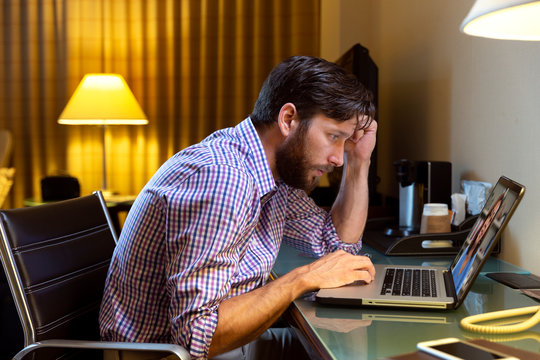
(257, 161)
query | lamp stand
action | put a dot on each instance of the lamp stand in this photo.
(104, 186)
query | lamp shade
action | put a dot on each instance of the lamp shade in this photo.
(103, 99)
(504, 19)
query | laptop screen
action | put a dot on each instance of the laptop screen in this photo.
(485, 233)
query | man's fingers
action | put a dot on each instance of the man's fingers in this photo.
(361, 264)
(366, 266)
(341, 268)
(365, 276)
(356, 136)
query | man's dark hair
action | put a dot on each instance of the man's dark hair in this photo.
(314, 86)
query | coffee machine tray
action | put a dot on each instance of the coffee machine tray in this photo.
(418, 244)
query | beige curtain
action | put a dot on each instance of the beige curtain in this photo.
(195, 66)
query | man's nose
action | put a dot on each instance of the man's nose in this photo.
(336, 158)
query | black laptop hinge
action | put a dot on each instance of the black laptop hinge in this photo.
(449, 285)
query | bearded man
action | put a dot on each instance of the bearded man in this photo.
(195, 253)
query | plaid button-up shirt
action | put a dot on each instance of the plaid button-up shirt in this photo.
(207, 227)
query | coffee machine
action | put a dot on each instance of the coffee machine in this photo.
(420, 182)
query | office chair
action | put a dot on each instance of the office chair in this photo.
(56, 258)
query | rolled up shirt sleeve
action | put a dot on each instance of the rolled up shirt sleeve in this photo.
(310, 229)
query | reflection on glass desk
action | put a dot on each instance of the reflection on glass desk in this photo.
(340, 332)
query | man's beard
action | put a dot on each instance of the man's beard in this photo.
(292, 162)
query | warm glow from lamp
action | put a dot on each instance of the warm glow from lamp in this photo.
(504, 19)
(103, 99)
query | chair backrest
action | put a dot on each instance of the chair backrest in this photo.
(56, 258)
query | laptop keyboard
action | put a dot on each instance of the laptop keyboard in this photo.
(409, 282)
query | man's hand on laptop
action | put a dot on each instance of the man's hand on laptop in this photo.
(339, 268)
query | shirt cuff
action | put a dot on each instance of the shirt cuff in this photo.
(334, 242)
(202, 330)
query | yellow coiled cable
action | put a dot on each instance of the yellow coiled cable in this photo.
(469, 323)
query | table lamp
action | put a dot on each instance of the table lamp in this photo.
(103, 99)
(504, 19)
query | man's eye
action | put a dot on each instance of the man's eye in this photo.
(334, 137)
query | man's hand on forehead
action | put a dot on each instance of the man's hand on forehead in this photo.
(357, 135)
(362, 123)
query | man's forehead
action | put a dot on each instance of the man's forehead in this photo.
(326, 121)
(346, 128)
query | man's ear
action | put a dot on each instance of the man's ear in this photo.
(287, 119)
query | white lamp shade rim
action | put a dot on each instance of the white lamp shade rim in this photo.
(504, 19)
(65, 121)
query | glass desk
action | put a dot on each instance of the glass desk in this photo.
(338, 332)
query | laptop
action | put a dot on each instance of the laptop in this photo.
(432, 287)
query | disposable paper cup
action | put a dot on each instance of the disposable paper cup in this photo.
(436, 218)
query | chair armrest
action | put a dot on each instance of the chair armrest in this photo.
(177, 350)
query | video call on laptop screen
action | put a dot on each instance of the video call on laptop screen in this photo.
(482, 236)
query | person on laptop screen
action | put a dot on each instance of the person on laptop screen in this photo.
(480, 240)
(196, 250)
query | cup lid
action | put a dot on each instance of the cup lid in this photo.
(435, 209)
